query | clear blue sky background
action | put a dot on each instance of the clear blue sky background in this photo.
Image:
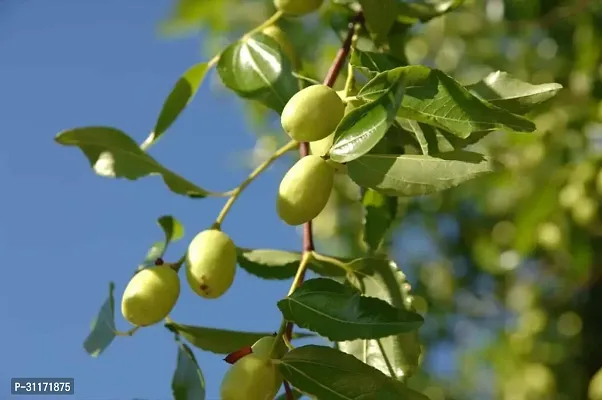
(65, 232)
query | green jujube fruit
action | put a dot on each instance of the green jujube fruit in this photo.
(251, 378)
(297, 7)
(304, 190)
(150, 295)
(263, 347)
(312, 113)
(280, 37)
(211, 263)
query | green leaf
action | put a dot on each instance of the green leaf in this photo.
(188, 382)
(279, 264)
(181, 94)
(328, 373)
(434, 98)
(102, 330)
(220, 341)
(370, 63)
(507, 92)
(380, 16)
(255, 68)
(173, 230)
(402, 351)
(114, 154)
(417, 175)
(425, 10)
(339, 312)
(381, 211)
(363, 127)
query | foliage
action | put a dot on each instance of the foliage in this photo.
(471, 126)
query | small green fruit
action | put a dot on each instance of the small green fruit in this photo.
(251, 378)
(211, 263)
(312, 113)
(304, 190)
(263, 347)
(280, 37)
(297, 7)
(150, 295)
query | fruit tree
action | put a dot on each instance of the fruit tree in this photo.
(469, 127)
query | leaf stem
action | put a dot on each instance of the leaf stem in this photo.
(268, 22)
(127, 333)
(288, 391)
(262, 167)
(333, 261)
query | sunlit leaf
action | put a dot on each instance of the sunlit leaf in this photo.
(188, 382)
(339, 312)
(417, 175)
(220, 341)
(506, 91)
(380, 16)
(102, 330)
(425, 10)
(255, 68)
(114, 154)
(363, 127)
(173, 231)
(328, 373)
(181, 94)
(434, 98)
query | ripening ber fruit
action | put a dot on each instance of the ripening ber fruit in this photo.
(304, 190)
(150, 295)
(263, 347)
(280, 37)
(312, 113)
(211, 263)
(297, 7)
(251, 378)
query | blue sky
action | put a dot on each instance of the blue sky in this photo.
(65, 233)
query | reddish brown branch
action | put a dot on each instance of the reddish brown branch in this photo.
(330, 79)
(288, 391)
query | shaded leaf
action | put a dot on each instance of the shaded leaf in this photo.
(220, 341)
(192, 15)
(363, 127)
(114, 154)
(380, 16)
(255, 68)
(370, 63)
(388, 283)
(188, 382)
(328, 373)
(339, 312)
(433, 140)
(181, 94)
(425, 10)
(381, 211)
(280, 264)
(173, 231)
(102, 330)
(417, 175)
(506, 91)
(434, 98)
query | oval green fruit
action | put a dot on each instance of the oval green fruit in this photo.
(263, 347)
(150, 295)
(304, 190)
(312, 113)
(297, 7)
(251, 378)
(280, 37)
(211, 263)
